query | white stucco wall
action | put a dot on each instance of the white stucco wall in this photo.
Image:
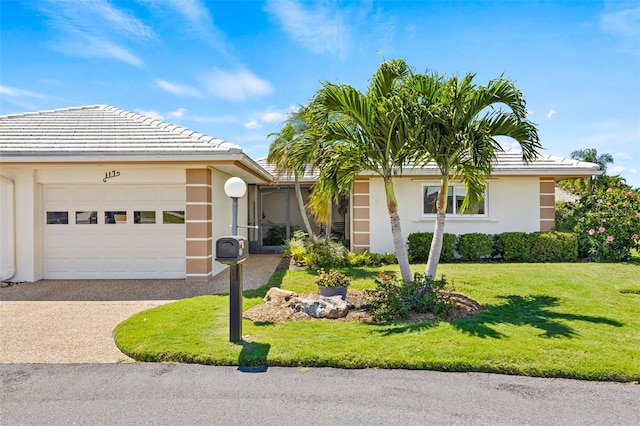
(7, 228)
(221, 205)
(513, 204)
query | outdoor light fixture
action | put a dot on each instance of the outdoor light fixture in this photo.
(234, 188)
(233, 250)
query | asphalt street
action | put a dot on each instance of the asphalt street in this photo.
(178, 394)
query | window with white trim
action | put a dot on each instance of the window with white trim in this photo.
(455, 197)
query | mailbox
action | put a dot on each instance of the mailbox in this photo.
(232, 249)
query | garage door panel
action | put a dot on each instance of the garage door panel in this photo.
(57, 265)
(173, 266)
(53, 194)
(172, 194)
(87, 265)
(122, 250)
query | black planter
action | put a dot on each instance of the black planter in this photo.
(332, 291)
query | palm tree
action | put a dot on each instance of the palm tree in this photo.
(366, 132)
(291, 152)
(591, 155)
(457, 123)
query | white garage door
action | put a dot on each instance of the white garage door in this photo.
(114, 231)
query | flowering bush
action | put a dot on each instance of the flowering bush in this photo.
(607, 224)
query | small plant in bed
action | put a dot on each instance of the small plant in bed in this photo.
(332, 283)
(395, 299)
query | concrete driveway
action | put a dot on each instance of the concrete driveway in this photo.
(72, 321)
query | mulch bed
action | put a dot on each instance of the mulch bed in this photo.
(466, 307)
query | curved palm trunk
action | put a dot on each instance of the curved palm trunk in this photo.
(396, 231)
(438, 232)
(327, 231)
(303, 210)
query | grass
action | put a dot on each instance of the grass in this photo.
(578, 320)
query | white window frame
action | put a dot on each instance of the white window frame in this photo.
(454, 207)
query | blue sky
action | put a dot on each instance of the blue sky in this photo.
(233, 70)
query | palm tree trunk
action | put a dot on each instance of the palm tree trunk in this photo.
(327, 231)
(303, 210)
(396, 231)
(438, 232)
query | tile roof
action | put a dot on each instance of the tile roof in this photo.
(508, 162)
(101, 130)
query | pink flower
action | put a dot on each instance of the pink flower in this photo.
(638, 215)
(634, 236)
(592, 231)
(599, 200)
(630, 192)
(564, 216)
(601, 229)
(610, 238)
(609, 189)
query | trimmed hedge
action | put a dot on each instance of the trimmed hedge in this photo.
(553, 247)
(474, 246)
(419, 245)
(513, 246)
(535, 247)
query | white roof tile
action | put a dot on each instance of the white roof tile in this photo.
(101, 129)
(508, 162)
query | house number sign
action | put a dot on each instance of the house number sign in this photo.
(111, 174)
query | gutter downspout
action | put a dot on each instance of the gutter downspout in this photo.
(11, 219)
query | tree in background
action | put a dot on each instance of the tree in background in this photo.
(293, 151)
(587, 185)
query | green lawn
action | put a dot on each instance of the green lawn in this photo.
(578, 320)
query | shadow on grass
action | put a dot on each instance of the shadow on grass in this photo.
(518, 310)
(253, 357)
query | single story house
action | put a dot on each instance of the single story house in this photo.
(99, 192)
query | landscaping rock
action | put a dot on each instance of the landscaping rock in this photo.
(320, 306)
(278, 296)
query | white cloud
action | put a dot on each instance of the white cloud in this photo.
(619, 170)
(19, 93)
(252, 124)
(622, 156)
(106, 49)
(220, 119)
(177, 113)
(199, 21)
(152, 114)
(317, 27)
(624, 22)
(177, 89)
(236, 85)
(551, 113)
(94, 29)
(274, 117)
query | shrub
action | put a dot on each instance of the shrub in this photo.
(394, 299)
(419, 245)
(359, 259)
(514, 246)
(552, 247)
(474, 246)
(389, 258)
(608, 224)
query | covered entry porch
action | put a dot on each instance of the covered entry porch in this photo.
(274, 212)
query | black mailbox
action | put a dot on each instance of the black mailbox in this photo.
(232, 249)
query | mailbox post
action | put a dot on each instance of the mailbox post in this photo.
(233, 250)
